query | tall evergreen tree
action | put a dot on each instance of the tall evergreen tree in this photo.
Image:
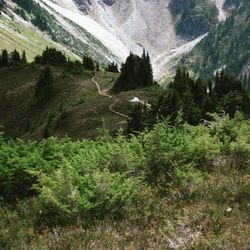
(113, 67)
(88, 63)
(23, 58)
(149, 71)
(5, 58)
(15, 57)
(54, 57)
(45, 86)
(2, 3)
(136, 72)
(195, 99)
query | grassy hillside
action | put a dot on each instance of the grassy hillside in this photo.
(16, 35)
(76, 109)
(30, 27)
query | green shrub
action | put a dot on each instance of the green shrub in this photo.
(65, 195)
(97, 178)
(79, 101)
(168, 148)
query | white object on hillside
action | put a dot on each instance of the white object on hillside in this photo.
(135, 100)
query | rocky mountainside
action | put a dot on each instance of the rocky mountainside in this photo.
(30, 26)
(110, 29)
(157, 26)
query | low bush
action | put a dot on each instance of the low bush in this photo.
(89, 179)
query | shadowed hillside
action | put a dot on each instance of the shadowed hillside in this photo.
(76, 109)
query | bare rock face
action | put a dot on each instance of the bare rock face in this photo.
(109, 2)
(134, 25)
(85, 5)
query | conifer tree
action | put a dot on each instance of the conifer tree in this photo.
(149, 71)
(135, 124)
(45, 85)
(113, 67)
(5, 58)
(23, 58)
(2, 3)
(15, 57)
(88, 63)
(97, 66)
(53, 57)
(136, 72)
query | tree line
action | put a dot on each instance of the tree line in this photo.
(112, 67)
(12, 59)
(54, 57)
(195, 99)
(136, 72)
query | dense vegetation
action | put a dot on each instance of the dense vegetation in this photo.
(135, 73)
(2, 3)
(45, 86)
(177, 178)
(112, 67)
(50, 56)
(193, 17)
(226, 46)
(174, 181)
(139, 182)
(88, 63)
(195, 99)
(12, 59)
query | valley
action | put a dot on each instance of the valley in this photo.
(109, 30)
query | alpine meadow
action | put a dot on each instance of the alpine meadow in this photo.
(125, 124)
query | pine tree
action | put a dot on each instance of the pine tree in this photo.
(2, 3)
(135, 124)
(113, 67)
(15, 57)
(45, 85)
(88, 63)
(97, 66)
(23, 58)
(53, 57)
(149, 71)
(136, 72)
(5, 58)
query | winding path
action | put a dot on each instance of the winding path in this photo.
(103, 93)
(99, 89)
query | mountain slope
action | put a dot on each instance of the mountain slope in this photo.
(148, 24)
(226, 46)
(193, 18)
(16, 33)
(33, 28)
(109, 30)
